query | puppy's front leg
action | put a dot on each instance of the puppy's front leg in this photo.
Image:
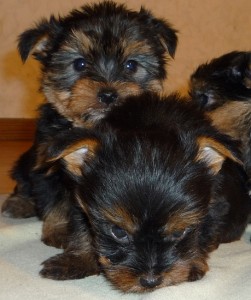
(198, 269)
(69, 266)
(77, 261)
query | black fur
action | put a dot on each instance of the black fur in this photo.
(91, 60)
(154, 209)
(222, 80)
(222, 88)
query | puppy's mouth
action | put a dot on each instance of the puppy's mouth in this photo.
(95, 114)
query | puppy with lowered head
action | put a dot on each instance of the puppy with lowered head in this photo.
(157, 189)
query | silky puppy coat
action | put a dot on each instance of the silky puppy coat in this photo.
(91, 60)
(222, 88)
(157, 189)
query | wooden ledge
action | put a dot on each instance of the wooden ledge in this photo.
(17, 129)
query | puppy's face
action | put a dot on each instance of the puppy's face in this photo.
(146, 202)
(93, 58)
(222, 88)
(224, 79)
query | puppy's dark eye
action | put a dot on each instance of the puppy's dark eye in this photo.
(178, 235)
(131, 65)
(79, 64)
(203, 98)
(119, 234)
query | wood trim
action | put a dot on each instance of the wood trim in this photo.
(17, 129)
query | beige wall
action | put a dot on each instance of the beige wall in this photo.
(207, 29)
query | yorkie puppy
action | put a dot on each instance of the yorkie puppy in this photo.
(222, 88)
(91, 60)
(157, 188)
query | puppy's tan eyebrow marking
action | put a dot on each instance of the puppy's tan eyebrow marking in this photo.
(78, 41)
(122, 218)
(180, 220)
(138, 47)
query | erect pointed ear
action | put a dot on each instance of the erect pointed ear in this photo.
(166, 33)
(37, 41)
(213, 153)
(77, 154)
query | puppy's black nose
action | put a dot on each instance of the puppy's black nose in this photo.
(150, 281)
(107, 97)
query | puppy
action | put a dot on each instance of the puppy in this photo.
(222, 88)
(90, 61)
(157, 189)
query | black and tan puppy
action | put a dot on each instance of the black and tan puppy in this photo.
(90, 61)
(157, 187)
(222, 88)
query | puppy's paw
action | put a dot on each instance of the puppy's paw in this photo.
(56, 228)
(68, 266)
(16, 206)
(56, 239)
(197, 272)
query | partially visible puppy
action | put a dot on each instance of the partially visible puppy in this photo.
(157, 187)
(222, 88)
(91, 60)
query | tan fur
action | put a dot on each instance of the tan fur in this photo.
(40, 46)
(83, 42)
(234, 119)
(74, 157)
(181, 220)
(138, 47)
(214, 153)
(55, 227)
(181, 271)
(155, 86)
(83, 99)
(127, 283)
(121, 218)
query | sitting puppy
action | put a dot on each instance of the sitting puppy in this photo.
(157, 188)
(222, 88)
(91, 60)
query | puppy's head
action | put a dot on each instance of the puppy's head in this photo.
(146, 198)
(226, 78)
(94, 57)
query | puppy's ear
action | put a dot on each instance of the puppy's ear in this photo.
(213, 153)
(76, 155)
(247, 80)
(166, 33)
(240, 67)
(38, 40)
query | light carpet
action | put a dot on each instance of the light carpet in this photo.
(21, 253)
